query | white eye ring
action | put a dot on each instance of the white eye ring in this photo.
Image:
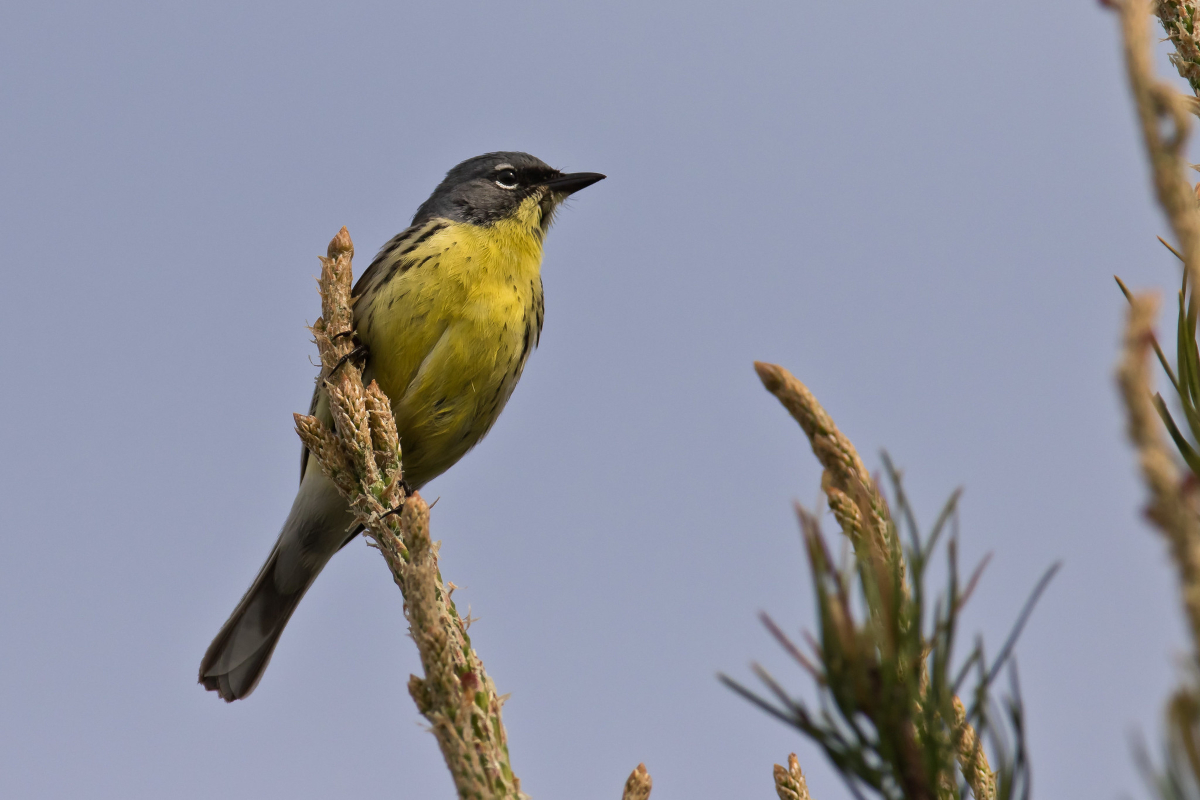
(506, 181)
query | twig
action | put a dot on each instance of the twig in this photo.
(361, 455)
(1168, 507)
(789, 782)
(639, 784)
(845, 475)
(863, 515)
(1165, 118)
(1178, 19)
(971, 757)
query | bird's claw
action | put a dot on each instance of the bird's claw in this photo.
(359, 352)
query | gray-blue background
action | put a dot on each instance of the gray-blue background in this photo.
(917, 207)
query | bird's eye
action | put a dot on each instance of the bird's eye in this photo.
(506, 179)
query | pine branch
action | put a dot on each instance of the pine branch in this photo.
(789, 782)
(1181, 21)
(863, 514)
(1165, 119)
(361, 454)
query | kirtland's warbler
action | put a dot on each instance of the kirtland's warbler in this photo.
(447, 313)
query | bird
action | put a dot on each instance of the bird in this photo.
(446, 316)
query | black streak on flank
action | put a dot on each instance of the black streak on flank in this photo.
(525, 346)
(422, 237)
(410, 265)
(540, 311)
(494, 403)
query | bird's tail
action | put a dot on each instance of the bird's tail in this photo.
(316, 527)
(237, 658)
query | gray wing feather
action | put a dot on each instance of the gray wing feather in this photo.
(407, 237)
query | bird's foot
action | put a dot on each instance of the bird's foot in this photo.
(358, 354)
(407, 491)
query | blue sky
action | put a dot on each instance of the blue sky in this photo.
(917, 208)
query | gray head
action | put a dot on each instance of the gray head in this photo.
(491, 187)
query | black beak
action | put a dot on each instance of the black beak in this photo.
(569, 184)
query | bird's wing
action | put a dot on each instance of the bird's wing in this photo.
(395, 250)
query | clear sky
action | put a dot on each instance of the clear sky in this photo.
(916, 207)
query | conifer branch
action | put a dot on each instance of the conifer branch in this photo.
(862, 513)
(789, 782)
(1181, 21)
(638, 785)
(1173, 512)
(900, 727)
(1164, 116)
(361, 454)
(1165, 128)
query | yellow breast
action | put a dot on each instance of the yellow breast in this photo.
(449, 324)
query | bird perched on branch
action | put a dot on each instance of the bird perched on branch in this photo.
(446, 315)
